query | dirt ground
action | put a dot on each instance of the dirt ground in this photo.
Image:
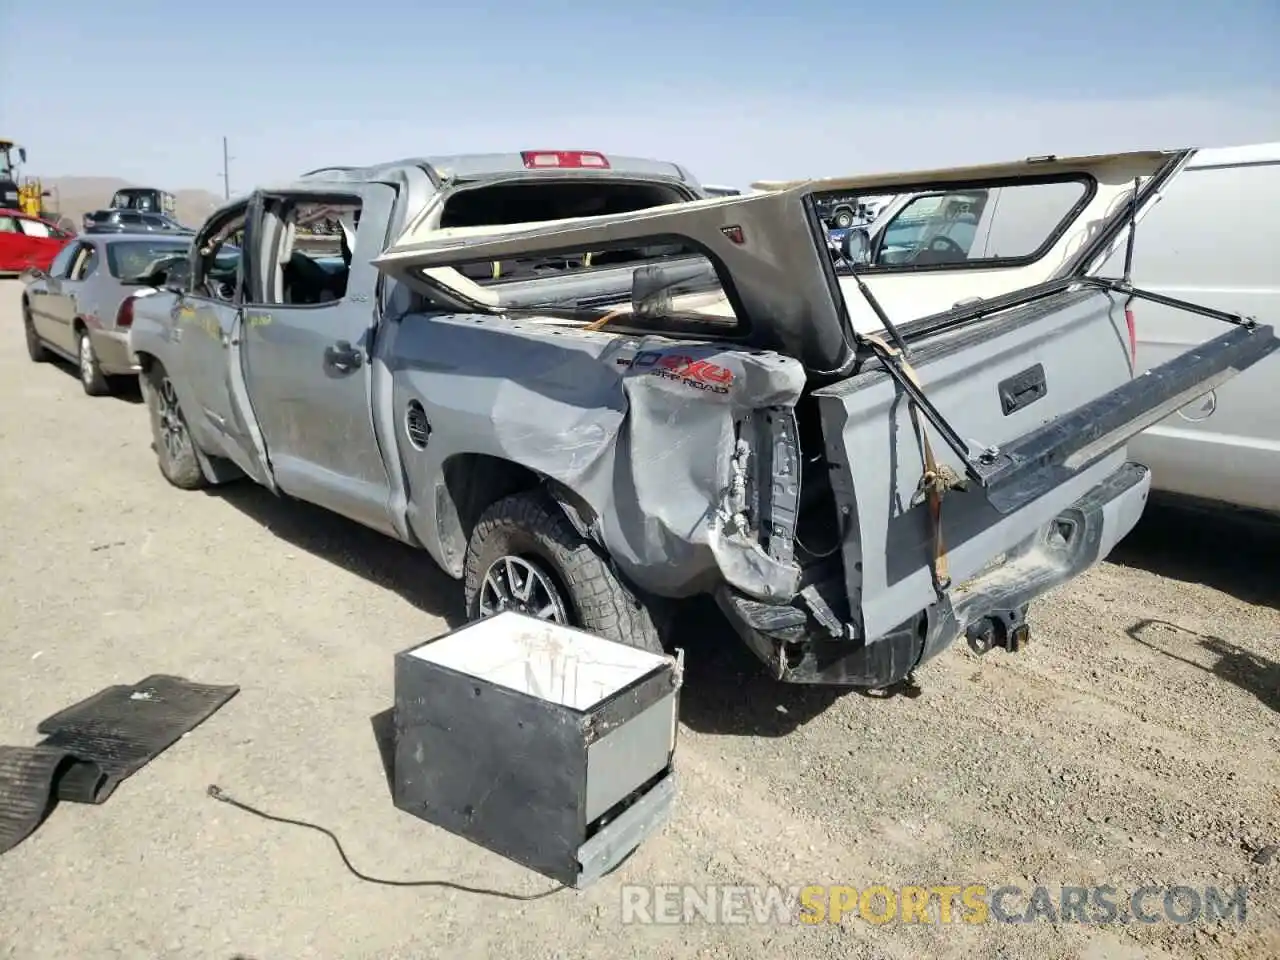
(1135, 742)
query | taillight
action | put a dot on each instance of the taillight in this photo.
(564, 159)
(124, 316)
(1133, 337)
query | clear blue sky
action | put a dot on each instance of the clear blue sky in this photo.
(736, 91)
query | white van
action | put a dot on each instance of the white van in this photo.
(1213, 238)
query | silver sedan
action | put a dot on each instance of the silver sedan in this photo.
(75, 309)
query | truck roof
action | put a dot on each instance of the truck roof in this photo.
(423, 175)
(478, 166)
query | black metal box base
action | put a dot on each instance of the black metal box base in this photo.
(544, 744)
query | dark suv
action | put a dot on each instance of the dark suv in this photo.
(131, 221)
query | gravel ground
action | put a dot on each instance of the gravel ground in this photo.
(1134, 742)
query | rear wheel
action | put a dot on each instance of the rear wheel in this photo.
(843, 219)
(35, 349)
(91, 376)
(175, 449)
(525, 556)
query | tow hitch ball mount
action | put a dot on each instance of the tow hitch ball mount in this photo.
(1008, 630)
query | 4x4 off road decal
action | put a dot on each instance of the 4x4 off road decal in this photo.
(699, 374)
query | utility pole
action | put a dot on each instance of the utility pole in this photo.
(226, 171)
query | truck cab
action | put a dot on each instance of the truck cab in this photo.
(145, 200)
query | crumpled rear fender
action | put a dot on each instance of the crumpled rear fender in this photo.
(678, 458)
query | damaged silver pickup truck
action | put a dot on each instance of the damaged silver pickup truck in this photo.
(582, 389)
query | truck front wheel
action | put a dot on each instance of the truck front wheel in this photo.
(525, 556)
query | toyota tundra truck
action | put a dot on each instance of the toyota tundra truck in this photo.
(586, 390)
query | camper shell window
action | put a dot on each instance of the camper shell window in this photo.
(972, 226)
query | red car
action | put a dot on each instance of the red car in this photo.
(28, 242)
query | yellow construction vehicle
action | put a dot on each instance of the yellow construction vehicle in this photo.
(21, 193)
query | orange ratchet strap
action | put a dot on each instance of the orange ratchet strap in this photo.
(611, 315)
(936, 479)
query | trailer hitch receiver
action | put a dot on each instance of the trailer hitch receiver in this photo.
(1009, 630)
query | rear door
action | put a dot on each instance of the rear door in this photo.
(60, 304)
(41, 295)
(307, 346)
(87, 263)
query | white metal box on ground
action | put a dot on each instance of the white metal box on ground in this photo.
(548, 745)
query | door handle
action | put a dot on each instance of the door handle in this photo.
(343, 357)
(1022, 389)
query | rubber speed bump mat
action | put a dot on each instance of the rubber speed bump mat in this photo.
(91, 747)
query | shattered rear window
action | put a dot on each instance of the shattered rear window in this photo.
(679, 292)
(541, 201)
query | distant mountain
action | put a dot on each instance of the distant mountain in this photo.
(73, 197)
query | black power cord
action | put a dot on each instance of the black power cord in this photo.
(218, 794)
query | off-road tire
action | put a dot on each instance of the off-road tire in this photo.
(839, 217)
(92, 379)
(532, 525)
(183, 468)
(35, 349)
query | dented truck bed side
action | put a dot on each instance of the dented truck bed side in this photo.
(648, 442)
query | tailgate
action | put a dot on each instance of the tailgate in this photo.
(1039, 398)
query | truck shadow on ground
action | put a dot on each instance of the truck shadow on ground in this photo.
(1243, 668)
(408, 572)
(126, 389)
(1230, 552)
(727, 691)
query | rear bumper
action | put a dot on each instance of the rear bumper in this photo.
(799, 650)
(112, 350)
